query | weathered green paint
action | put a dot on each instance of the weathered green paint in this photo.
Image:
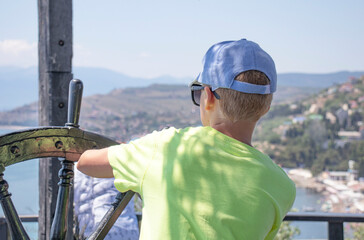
(47, 142)
(55, 142)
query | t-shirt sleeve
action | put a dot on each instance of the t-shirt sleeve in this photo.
(130, 162)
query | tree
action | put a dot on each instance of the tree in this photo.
(358, 231)
(287, 232)
(316, 131)
(356, 152)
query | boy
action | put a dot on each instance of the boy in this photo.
(207, 182)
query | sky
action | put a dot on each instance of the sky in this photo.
(144, 38)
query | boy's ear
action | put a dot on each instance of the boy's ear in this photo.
(209, 100)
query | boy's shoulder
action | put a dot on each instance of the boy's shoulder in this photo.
(182, 135)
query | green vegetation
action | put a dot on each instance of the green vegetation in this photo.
(358, 229)
(306, 134)
(287, 232)
(264, 131)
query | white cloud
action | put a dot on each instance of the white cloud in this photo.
(18, 52)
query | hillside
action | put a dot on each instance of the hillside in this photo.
(322, 132)
(124, 114)
(129, 112)
(300, 127)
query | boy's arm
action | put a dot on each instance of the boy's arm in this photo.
(95, 163)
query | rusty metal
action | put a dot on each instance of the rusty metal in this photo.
(57, 142)
(48, 142)
(61, 142)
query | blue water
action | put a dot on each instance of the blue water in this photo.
(309, 230)
(23, 185)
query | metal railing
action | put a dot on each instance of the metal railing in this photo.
(335, 222)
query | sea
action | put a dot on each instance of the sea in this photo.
(23, 185)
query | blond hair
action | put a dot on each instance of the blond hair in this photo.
(245, 106)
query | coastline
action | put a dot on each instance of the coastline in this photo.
(344, 195)
(307, 182)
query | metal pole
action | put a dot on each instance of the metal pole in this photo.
(55, 73)
(336, 231)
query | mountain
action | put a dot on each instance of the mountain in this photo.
(102, 81)
(323, 80)
(19, 86)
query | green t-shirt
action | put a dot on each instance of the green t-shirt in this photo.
(197, 183)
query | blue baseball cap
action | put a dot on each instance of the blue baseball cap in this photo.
(224, 61)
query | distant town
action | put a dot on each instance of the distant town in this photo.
(320, 141)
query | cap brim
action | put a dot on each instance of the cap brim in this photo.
(194, 82)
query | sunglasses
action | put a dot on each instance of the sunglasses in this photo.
(196, 93)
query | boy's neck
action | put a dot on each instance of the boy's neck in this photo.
(241, 130)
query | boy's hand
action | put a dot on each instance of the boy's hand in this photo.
(74, 157)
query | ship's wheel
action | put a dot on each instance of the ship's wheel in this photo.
(57, 142)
